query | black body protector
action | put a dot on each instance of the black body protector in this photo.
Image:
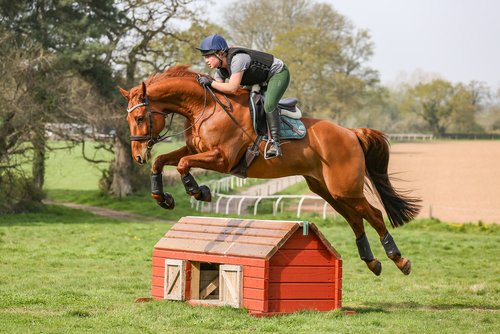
(257, 72)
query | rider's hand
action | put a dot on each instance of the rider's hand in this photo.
(205, 81)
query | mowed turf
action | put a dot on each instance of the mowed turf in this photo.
(67, 169)
(67, 271)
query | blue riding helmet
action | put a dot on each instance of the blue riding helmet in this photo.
(212, 44)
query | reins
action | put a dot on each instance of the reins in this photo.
(149, 137)
(227, 107)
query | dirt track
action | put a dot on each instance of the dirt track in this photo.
(458, 181)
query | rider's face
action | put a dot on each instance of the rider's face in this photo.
(212, 61)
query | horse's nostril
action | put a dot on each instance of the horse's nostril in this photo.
(139, 159)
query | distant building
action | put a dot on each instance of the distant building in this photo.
(62, 131)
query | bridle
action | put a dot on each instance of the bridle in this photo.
(149, 137)
(228, 108)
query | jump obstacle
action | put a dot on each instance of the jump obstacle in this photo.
(266, 266)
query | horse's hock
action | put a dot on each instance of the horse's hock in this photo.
(266, 266)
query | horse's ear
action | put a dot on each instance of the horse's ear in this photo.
(143, 89)
(124, 92)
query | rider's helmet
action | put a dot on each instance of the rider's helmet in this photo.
(213, 44)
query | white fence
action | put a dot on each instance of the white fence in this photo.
(409, 136)
(226, 184)
(235, 203)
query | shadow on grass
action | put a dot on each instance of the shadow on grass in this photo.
(390, 307)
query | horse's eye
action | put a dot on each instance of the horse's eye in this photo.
(140, 119)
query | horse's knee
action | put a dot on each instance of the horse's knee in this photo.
(157, 166)
(183, 167)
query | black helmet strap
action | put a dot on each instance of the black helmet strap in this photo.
(220, 59)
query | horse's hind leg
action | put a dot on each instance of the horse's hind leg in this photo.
(354, 219)
(375, 219)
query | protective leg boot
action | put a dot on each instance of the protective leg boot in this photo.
(274, 121)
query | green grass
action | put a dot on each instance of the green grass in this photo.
(67, 271)
(67, 169)
(140, 203)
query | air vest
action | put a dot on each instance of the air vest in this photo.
(257, 72)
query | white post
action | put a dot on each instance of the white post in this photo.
(227, 204)
(240, 204)
(255, 206)
(300, 206)
(217, 204)
(276, 204)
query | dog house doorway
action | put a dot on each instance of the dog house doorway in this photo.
(213, 283)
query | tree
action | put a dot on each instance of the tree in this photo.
(444, 106)
(247, 26)
(95, 45)
(17, 121)
(150, 42)
(71, 34)
(325, 53)
(466, 104)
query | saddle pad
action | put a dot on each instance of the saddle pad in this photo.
(292, 128)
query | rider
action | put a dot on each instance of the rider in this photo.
(241, 66)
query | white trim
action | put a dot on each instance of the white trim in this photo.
(129, 110)
(180, 279)
(226, 285)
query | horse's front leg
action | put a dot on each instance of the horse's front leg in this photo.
(165, 200)
(212, 160)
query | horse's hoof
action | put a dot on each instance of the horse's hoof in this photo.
(406, 269)
(375, 266)
(168, 202)
(204, 194)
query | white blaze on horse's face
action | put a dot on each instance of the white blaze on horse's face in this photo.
(138, 121)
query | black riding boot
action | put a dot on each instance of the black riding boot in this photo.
(274, 121)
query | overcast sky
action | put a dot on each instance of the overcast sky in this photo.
(457, 39)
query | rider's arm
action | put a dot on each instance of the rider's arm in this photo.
(231, 86)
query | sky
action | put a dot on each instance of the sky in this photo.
(459, 40)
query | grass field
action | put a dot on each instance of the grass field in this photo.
(66, 169)
(65, 270)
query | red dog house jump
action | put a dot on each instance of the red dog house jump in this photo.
(266, 266)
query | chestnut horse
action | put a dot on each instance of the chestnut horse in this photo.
(333, 160)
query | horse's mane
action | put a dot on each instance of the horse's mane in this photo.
(176, 71)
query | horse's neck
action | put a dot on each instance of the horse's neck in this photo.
(177, 96)
(186, 97)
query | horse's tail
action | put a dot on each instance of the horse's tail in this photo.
(400, 208)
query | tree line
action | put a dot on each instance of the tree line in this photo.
(61, 63)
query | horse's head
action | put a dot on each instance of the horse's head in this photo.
(144, 121)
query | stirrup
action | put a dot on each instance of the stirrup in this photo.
(274, 144)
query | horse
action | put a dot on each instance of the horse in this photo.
(335, 161)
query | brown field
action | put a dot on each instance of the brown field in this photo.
(458, 181)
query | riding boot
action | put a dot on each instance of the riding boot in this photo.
(273, 122)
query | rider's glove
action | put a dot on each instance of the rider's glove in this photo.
(205, 81)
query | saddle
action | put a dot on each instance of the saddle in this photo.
(291, 125)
